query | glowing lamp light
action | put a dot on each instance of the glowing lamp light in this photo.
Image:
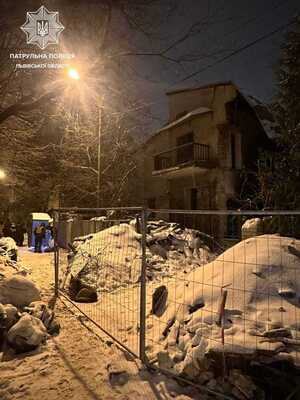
(73, 74)
(2, 174)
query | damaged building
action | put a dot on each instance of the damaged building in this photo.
(195, 161)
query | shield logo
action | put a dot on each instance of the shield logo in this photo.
(42, 28)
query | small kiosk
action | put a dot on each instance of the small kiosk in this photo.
(36, 219)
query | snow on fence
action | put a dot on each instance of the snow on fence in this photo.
(101, 271)
(197, 294)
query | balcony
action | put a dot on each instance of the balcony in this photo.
(182, 158)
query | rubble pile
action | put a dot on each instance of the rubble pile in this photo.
(9, 266)
(111, 258)
(173, 250)
(25, 321)
(243, 307)
(8, 248)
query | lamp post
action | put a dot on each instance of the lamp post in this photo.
(99, 154)
(74, 74)
(10, 184)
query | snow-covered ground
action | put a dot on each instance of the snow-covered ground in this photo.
(81, 363)
(261, 318)
(260, 276)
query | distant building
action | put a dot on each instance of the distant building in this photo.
(194, 162)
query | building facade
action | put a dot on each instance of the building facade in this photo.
(195, 161)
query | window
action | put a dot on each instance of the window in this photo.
(185, 151)
(265, 163)
(233, 155)
(151, 202)
(194, 194)
(230, 108)
(185, 139)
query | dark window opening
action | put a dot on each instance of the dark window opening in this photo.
(230, 111)
(151, 202)
(185, 139)
(266, 164)
(233, 155)
(185, 150)
(194, 195)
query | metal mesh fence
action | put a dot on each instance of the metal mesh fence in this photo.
(194, 293)
(100, 272)
(221, 299)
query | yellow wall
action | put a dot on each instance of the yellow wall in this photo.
(213, 98)
(222, 179)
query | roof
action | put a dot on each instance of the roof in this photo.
(186, 117)
(38, 216)
(263, 114)
(261, 110)
(207, 86)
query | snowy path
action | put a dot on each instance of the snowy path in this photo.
(74, 364)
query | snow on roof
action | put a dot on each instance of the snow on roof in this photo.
(187, 116)
(263, 113)
(40, 216)
(261, 110)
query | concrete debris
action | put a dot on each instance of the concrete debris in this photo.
(195, 359)
(8, 248)
(173, 336)
(117, 377)
(18, 291)
(164, 360)
(41, 310)
(243, 385)
(12, 315)
(10, 267)
(27, 334)
(121, 370)
(111, 258)
(24, 319)
(276, 333)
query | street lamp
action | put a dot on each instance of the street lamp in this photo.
(74, 74)
(10, 184)
(2, 174)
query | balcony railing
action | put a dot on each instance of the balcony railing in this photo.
(190, 153)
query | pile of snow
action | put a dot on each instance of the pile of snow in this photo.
(252, 227)
(8, 248)
(261, 317)
(111, 258)
(24, 319)
(10, 267)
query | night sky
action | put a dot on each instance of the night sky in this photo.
(233, 23)
(225, 26)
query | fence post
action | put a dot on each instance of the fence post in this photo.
(56, 251)
(143, 226)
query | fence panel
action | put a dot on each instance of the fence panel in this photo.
(217, 303)
(199, 294)
(101, 275)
